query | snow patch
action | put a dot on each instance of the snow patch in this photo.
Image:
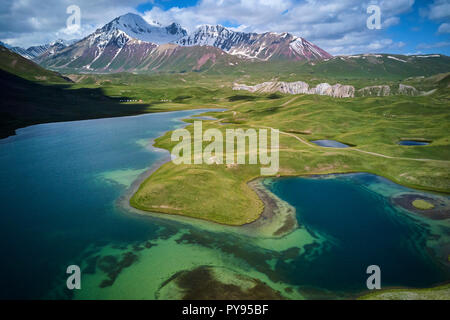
(394, 58)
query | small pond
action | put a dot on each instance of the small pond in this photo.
(413, 143)
(330, 144)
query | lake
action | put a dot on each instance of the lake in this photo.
(354, 213)
(60, 184)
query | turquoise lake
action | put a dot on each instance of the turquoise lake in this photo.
(60, 184)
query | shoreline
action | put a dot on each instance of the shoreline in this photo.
(15, 132)
(276, 220)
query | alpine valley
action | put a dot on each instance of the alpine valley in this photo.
(361, 144)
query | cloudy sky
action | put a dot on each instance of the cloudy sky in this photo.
(338, 26)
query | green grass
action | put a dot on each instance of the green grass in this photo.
(369, 124)
(217, 194)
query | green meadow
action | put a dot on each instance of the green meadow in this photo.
(372, 127)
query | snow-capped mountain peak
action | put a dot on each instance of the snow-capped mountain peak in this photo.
(154, 23)
(213, 35)
(63, 42)
(136, 27)
(130, 42)
(265, 46)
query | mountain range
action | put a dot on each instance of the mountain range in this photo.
(45, 49)
(129, 43)
(266, 46)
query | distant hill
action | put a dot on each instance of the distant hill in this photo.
(358, 70)
(44, 49)
(380, 65)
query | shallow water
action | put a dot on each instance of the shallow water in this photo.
(330, 144)
(60, 184)
(203, 118)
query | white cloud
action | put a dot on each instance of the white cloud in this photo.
(336, 25)
(31, 22)
(339, 26)
(444, 28)
(438, 10)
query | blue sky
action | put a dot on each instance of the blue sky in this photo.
(419, 33)
(338, 26)
(166, 4)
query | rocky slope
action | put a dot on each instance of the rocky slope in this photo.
(128, 43)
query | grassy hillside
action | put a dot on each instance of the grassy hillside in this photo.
(219, 80)
(25, 103)
(359, 71)
(17, 65)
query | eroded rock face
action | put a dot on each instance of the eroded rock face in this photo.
(300, 87)
(338, 90)
(380, 91)
(407, 90)
(294, 87)
(325, 89)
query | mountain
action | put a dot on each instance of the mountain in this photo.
(122, 53)
(36, 51)
(129, 43)
(265, 46)
(136, 27)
